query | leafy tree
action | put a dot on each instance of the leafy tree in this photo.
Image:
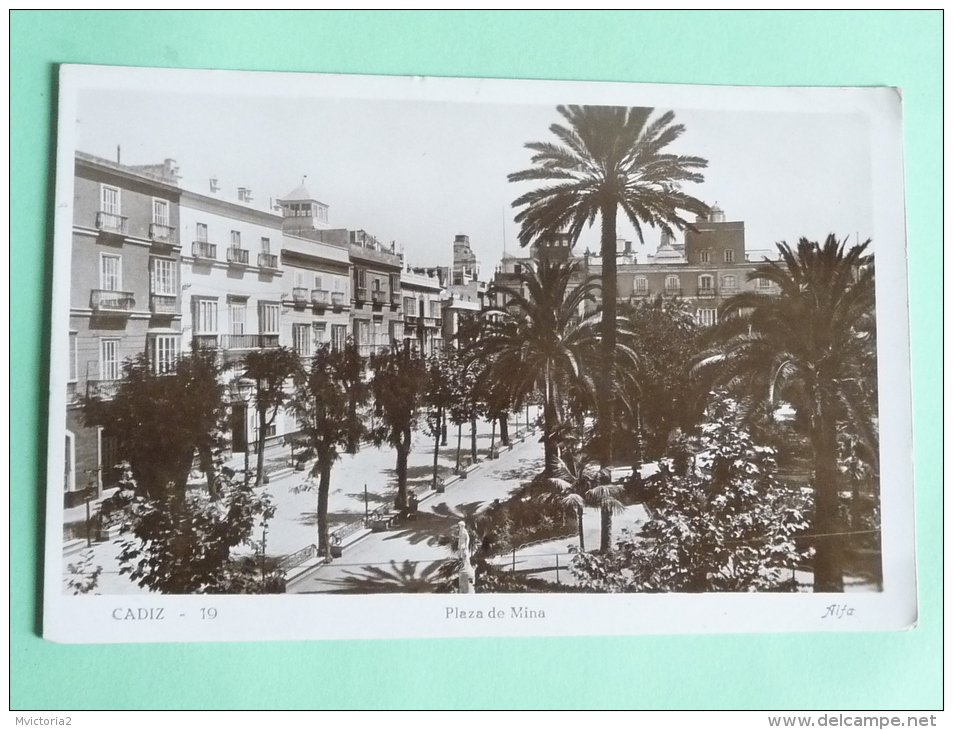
(180, 542)
(728, 527)
(270, 369)
(666, 337)
(325, 402)
(579, 483)
(605, 159)
(160, 421)
(812, 346)
(398, 385)
(441, 393)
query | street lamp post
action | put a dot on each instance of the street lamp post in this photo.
(245, 387)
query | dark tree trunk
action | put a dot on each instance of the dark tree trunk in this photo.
(473, 440)
(550, 449)
(322, 470)
(207, 466)
(608, 326)
(443, 430)
(605, 533)
(582, 533)
(828, 546)
(352, 440)
(403, 450)
(459, 443)
(436, 451)
(260, 456)
(504, 430)
(609, 309)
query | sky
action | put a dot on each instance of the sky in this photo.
(419, 173)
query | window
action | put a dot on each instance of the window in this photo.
(266, 245)
(435, 309)
(163, 277)
(268, 318)
(338, 336)
(706, 282)
(706, 257)
(164, 351)
(110, 272)
(160, 212)
(378, 334)
(236, 239)
(729, 283)
(410, 307)
(640, 285)
(762, 284)
(109, 359)
(320, 332)
(517, 268)
(108, 457)
(72, 356)
(301, 339)
(672, 284)
(318, 281)
(340, 285)
(729, 255)
(360, 282)
(236, 315)
(394, 284)
(362, 332)
(201, 232)
(111, 200)
(377, 284)
(205, 316)
(707, 317)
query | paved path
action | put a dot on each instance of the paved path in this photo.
(401, 560)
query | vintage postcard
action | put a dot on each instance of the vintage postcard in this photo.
(370, 357)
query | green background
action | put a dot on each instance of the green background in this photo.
(859, 671)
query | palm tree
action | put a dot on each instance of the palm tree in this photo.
(580, 483)
(607, 158)
(539, 343)
(812, 346)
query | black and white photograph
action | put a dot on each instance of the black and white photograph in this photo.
(344, 356)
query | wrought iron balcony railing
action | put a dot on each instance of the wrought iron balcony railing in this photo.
(102, 389)
(641, 293)
(673, 291)
(111, 223)
(161, 233)
(163, 303)
(248, 342)
(204, 250)
(205, 342)
(238, 256)
(120, 302)
(706, 291)
(319, 297)
(268, 260)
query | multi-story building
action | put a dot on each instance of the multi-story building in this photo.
(376, 315)
(124, 297)
(422, 295)
(466, 294)
(233, 284)
(316, 261)
(710, 266)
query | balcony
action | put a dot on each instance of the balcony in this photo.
(320, 297)
(237, 256)
(431, 321)
(204, 250)
(640, 293)
(163, 234)
(337, 299)
(102, 389)
(111, 224)
(673, 291)
(395, 299)
(205, 342)
(248, 342)
(301, 295)
(706, 292)
(163, 304)
(360, 294)
(103, 301)
(268, 261)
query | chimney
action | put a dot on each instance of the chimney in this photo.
(244, 195)
(213, 185)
